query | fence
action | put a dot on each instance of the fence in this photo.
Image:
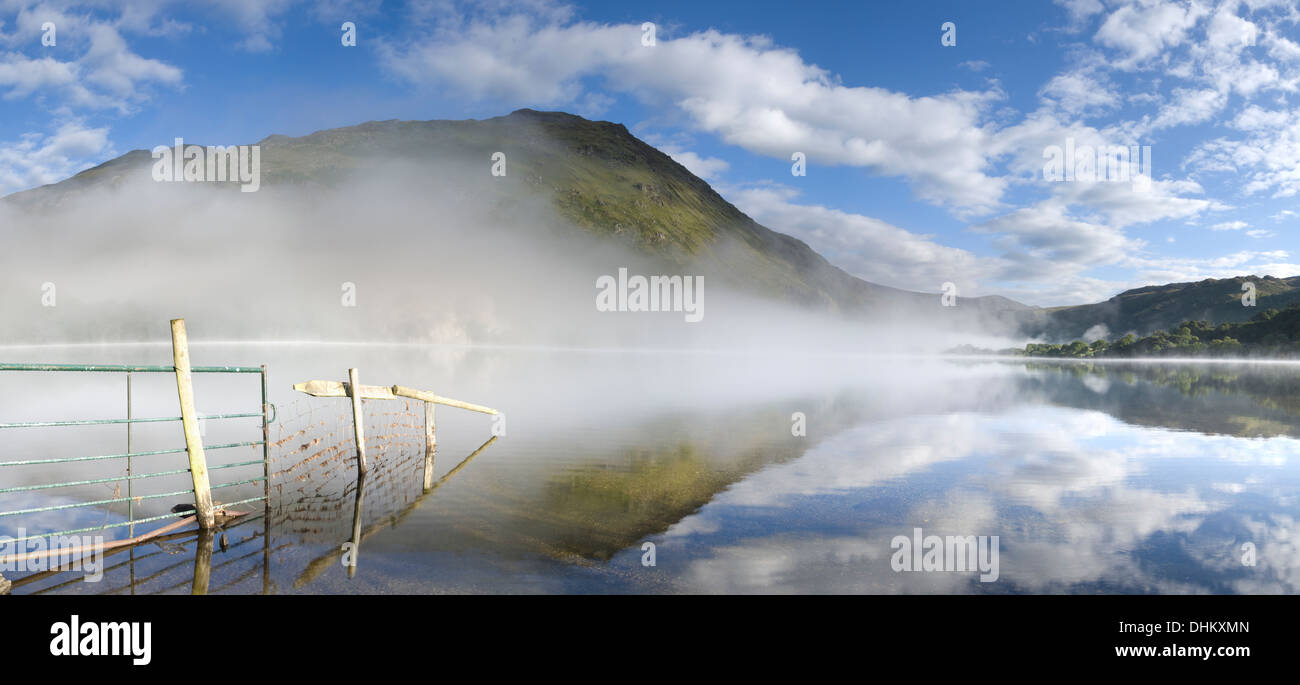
(314, 464)
(397, 430)
(194, 448)
(357, 393)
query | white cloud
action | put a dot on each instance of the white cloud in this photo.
(37, 159)
(1042, 253)
(1229, 32)
(708, 168)
(869, 248)
(1189, 106)
(94, 67)
(1080, 10)
(745, 90)
(1267, 157)
(258, 19)
(1123, 204)
(24, 76)
(1282, 48)
(1045, 242)
(1080, 92)
(1171, 270)
(113, 67)
(1144, 29)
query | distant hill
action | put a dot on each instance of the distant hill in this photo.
(1143, 311)
(1271, 333)
(601, 178)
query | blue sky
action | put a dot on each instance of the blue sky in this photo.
(924, 160)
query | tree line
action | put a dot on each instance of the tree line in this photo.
(1270, 333)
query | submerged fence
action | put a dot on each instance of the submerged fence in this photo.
(314, 463)
(197, 466)
(313, 453)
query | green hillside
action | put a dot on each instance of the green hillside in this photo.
(601, 178)
(1269, 333)
(598, 176)
(1143, 311)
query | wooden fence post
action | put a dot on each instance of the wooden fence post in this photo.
(357, 392)
(355, 558)
(430, 445)
(202, 563)
(189, 418)
(358, 419)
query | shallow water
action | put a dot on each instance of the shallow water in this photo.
(1114, 478)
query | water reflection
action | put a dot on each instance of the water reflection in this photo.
(1086, 498)
(349, 554)
(205, 553)
(172, 563)
(1240, 400)
(1097, 478)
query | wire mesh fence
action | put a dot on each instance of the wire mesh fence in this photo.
(314, 464)
(305, 469)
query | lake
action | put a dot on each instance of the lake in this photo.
(731, 472)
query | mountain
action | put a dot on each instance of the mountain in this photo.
(1145, 310)
(616, 187)
(598, 176)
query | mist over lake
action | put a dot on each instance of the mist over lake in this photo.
(1116, 477)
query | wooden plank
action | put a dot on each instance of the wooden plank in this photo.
(358, 420)
(189, 418)
(338, 389)
(430, 444)
(426, 396)
(226, 516)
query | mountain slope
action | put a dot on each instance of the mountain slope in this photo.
(598, 176)
(1162, 307)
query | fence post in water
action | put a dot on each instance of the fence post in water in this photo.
(189, 418)
(266, 445)
(430, 445)
(202, 563)
(130, 488)
(358, 419)
(266, 487)
(355, 557)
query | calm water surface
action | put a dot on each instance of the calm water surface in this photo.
(1114, 478)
